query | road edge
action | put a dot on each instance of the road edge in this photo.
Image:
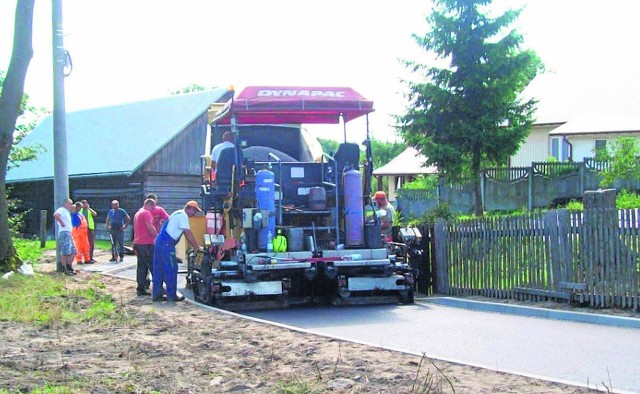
(554, 314)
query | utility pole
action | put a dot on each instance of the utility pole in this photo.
(60, 174)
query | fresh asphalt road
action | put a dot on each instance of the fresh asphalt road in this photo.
(562, 351)
(578, 353)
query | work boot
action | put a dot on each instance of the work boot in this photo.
(179, 297)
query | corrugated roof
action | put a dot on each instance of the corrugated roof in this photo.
(116, 139)
(563, 97)
(599, 125)
(409, 162)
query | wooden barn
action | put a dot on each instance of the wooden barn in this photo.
(120, 152)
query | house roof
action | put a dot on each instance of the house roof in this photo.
(629, 124)
(563, 97)
(114, 140)
(409, 162)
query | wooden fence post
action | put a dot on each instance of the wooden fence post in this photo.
(583, 176)
(559, 259)
(530, 188)
(483, 180)
(601, 235)
(564, 246)
(43, 228)
(553, 251)
(442, 264)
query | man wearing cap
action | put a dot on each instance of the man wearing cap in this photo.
(386, 213)
(165, 263)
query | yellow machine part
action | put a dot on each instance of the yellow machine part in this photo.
(279, 243)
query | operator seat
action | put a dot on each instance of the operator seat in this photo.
(347, 155)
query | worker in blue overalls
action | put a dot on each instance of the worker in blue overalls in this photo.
(165, 263)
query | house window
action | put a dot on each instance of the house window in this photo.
(601, 144)
(560, 148)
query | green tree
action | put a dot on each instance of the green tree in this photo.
(328, 146)
(11, 99)
(469, 114)
(381, 152)
(194, 87)
(623, 156)
(28, 117)
(384, 152)
(422, 182)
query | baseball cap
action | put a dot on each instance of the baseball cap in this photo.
(380, 195)
(193, 204)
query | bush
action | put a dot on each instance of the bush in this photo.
(626, 200)
(429, 182)
(624, 161)
(15, 215)
(575, 205)
(441, 210)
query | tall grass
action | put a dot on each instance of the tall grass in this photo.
(46, 299)
(29, 250)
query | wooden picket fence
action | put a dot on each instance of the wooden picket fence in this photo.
(591, 257)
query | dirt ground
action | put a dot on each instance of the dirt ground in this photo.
(182, 348)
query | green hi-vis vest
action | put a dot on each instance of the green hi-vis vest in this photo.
(87, 214)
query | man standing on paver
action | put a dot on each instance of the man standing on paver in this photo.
(144, 236)
(165, 263)
(386, 213)
(227, 142)
(117, 220)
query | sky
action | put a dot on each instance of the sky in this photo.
(131, 50)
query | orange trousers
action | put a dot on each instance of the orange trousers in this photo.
(81, 239)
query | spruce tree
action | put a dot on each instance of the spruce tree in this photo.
(469, 114)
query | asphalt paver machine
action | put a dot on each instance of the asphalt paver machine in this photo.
(288, 224)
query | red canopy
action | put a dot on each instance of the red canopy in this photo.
(294, 105)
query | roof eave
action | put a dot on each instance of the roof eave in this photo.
(570, 133)
(76, 176)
